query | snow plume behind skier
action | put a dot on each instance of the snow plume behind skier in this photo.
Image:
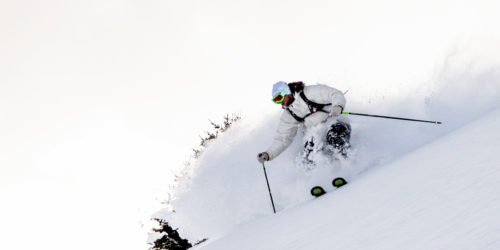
(319, 108)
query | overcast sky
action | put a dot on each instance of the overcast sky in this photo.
(99, 100)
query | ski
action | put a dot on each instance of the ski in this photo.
(318, 191)
(339, 182)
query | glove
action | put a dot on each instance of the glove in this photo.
(336, 110)
(262, 157)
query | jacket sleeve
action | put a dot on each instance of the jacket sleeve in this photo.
(285, 133)
(325, 94)
(337, 98)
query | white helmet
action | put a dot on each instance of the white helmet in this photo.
(282, 88)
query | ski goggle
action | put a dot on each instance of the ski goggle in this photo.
(279, 98)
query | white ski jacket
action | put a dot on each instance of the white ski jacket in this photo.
(287, 129)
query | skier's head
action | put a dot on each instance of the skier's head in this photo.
(280, 90)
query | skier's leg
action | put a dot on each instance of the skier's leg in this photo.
(339, 136)
(308, 149)
(313, 144)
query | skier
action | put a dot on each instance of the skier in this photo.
(316, 106)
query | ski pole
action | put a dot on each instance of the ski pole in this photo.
(268, 188)
(390, 117)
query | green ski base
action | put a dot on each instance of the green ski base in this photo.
(318, 191)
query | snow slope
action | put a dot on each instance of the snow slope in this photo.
(227, 188)
(445, 195)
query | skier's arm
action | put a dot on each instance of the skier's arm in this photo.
(321, 93)
(337, 98)
(285, 133)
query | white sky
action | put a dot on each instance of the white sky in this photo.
(100, 99)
